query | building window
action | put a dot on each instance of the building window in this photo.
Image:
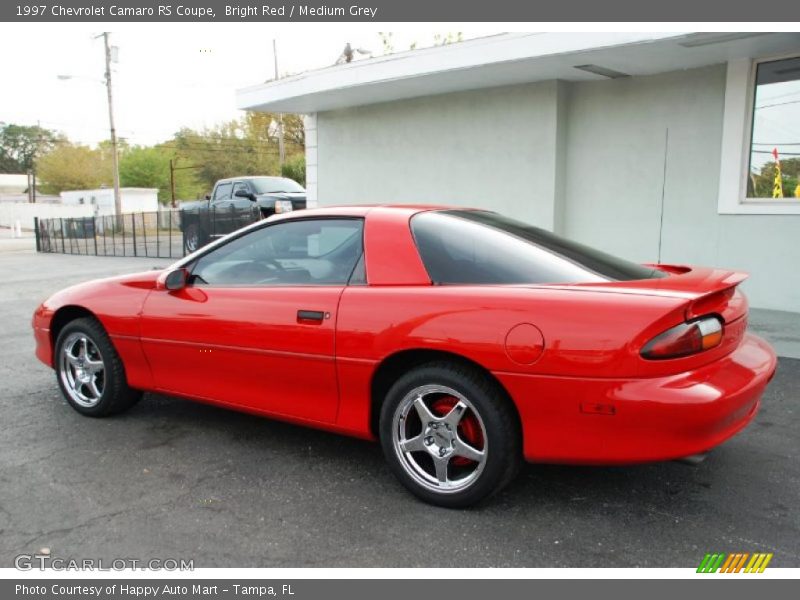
(761, 121)
(774, 166)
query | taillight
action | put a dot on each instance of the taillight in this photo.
(685, 339)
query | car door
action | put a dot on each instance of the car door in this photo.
(243, 208)
(220, 209)
(254, 327)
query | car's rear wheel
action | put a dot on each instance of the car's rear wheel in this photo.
(449, 434)
(90, 373)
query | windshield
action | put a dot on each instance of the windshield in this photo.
(460, 246)
(275, 185)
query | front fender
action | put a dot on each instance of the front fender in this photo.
(116, 303)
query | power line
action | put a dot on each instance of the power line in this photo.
(781, 153)
(779, 104)
(776, 144)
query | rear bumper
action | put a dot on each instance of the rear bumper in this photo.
(624, 421)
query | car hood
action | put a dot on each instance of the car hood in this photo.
(83, 293)
(284, 195)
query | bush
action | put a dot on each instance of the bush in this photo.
(295, 168)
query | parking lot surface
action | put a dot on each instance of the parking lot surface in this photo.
(177, 479)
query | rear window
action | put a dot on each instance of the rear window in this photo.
(477, 247)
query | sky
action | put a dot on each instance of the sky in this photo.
(174, 75)
(169, 75)
(776, 123)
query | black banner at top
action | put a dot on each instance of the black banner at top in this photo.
(782, 11)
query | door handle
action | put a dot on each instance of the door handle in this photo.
(315, 316)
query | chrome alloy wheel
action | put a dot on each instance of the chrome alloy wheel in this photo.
(82, 370)
(439, 438)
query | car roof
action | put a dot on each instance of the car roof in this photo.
(361, 210)
(246, 177)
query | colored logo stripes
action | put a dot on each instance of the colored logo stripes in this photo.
(735, 563)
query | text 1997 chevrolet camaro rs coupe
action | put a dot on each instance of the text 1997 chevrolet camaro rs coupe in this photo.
(463, 340)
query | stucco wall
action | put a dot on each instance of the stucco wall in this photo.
(484, 148)
(590, 160)
(619, 163)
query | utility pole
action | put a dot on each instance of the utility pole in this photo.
(281, 149)
(32, 175)
(114, 155)
(173, 166)
(172, 182)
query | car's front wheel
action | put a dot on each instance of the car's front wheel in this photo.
(449, 434)
(90, 373)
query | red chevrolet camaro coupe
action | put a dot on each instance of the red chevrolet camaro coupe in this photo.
(464, 341)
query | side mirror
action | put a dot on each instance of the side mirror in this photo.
(245, 194)
(208, 197)
(176, 279)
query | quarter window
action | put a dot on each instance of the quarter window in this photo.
(302, 252)
(774, 172)
(478, 247)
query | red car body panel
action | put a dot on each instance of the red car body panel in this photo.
(567, 355)
(226, 344)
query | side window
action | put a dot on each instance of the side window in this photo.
(460, 250)
(359, 276)
(223, 191)
(302, 252)
(240, 185)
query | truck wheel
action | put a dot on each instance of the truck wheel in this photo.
(192, 239)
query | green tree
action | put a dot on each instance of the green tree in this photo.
(148, 166)
(295, 168)
(74, 167)
(244, 146)
(760, 183)
(21, 145)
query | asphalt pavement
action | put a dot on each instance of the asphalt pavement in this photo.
(177, 479)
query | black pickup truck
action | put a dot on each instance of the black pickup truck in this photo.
(236, 202)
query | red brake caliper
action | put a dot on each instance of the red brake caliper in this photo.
(469, 429)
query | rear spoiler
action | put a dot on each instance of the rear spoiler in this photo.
(707, 290)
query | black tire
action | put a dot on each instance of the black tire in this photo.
(193, 238)
(501, 436)
(115, 396)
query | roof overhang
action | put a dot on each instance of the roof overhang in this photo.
(506, 59)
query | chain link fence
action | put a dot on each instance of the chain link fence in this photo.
(160, 234)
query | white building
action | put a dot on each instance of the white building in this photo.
(640, 144)
(132, 199)
(14, 183)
